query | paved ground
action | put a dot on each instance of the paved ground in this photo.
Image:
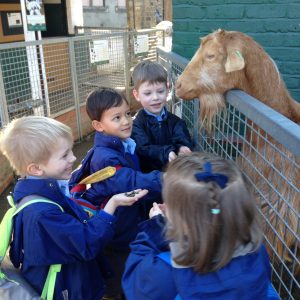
(79, 149)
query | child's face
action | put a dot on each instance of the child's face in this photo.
(153, 97)
(60, 163)
(116, 121)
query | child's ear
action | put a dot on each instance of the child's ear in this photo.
(135, 94)
(34, 169)
(97, 125)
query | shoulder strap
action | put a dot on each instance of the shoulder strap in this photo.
(22, 206)
(6, 233)
(166, 257)
(6, 228)
(48, 289)
(83, 170)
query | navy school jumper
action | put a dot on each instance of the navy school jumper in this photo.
(148, 277)
(156, 139)
(44, 235)
(109, 151)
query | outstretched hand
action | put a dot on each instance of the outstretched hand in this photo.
(124, 199)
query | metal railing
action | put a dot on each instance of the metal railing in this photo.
(266, 145)
(52, 77)
(90, 30)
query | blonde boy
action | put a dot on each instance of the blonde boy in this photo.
(40, 150)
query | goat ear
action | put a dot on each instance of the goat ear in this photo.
(235, 61)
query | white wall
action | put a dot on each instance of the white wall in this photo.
(108, 18)
(74, 14)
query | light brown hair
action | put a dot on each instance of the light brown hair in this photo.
(149, 71)
(208, 240)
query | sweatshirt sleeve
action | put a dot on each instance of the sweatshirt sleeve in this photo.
(181, 135)
(52, 236)
(159, 154)
(146, 276)
(127, 179)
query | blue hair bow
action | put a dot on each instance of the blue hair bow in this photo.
(207, 176)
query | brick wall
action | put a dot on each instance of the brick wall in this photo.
(275, 24)
(68, 118)
(141, 13)
(6, 173)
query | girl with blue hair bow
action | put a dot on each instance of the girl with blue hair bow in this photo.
(204, 242)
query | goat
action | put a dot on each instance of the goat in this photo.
(232, 60)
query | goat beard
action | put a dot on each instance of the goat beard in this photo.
(210, 106)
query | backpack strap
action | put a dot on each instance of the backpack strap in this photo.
(6, 233)
(48, 290)
(6, 228)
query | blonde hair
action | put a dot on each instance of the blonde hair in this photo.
(31, 140)
(207, 221)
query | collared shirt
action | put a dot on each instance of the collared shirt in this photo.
(63, 185)
(129, 145)
(158, 118)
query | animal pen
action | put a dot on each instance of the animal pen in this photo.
(53, 77)
(277, 147)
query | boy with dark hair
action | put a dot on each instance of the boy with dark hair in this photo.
(110, 115)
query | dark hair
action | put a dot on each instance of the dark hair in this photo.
(149, 71)
(101, 100)
(207, 240)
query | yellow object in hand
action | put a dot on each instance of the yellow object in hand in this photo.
(99, 175)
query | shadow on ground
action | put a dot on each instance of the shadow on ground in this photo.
(80, 149)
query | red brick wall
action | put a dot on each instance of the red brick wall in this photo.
(69, 118)
(6, 173)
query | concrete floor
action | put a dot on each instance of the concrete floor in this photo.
(80, 150)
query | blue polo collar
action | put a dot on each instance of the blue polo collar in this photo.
(129, 145)
(160, 117)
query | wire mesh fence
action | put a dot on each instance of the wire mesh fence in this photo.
(35, 79)
(53, 77)
(265, 145)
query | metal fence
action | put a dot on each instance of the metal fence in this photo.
(266, 145)
(52, 77)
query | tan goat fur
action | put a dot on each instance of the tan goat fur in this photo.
(232, 60)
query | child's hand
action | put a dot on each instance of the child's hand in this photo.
(157, 209)
(184, 150)
(124, 199)
(172, 155)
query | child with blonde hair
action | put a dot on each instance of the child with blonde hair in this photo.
(215, 241)
(55, 229)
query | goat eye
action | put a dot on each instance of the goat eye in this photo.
(210, 56)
